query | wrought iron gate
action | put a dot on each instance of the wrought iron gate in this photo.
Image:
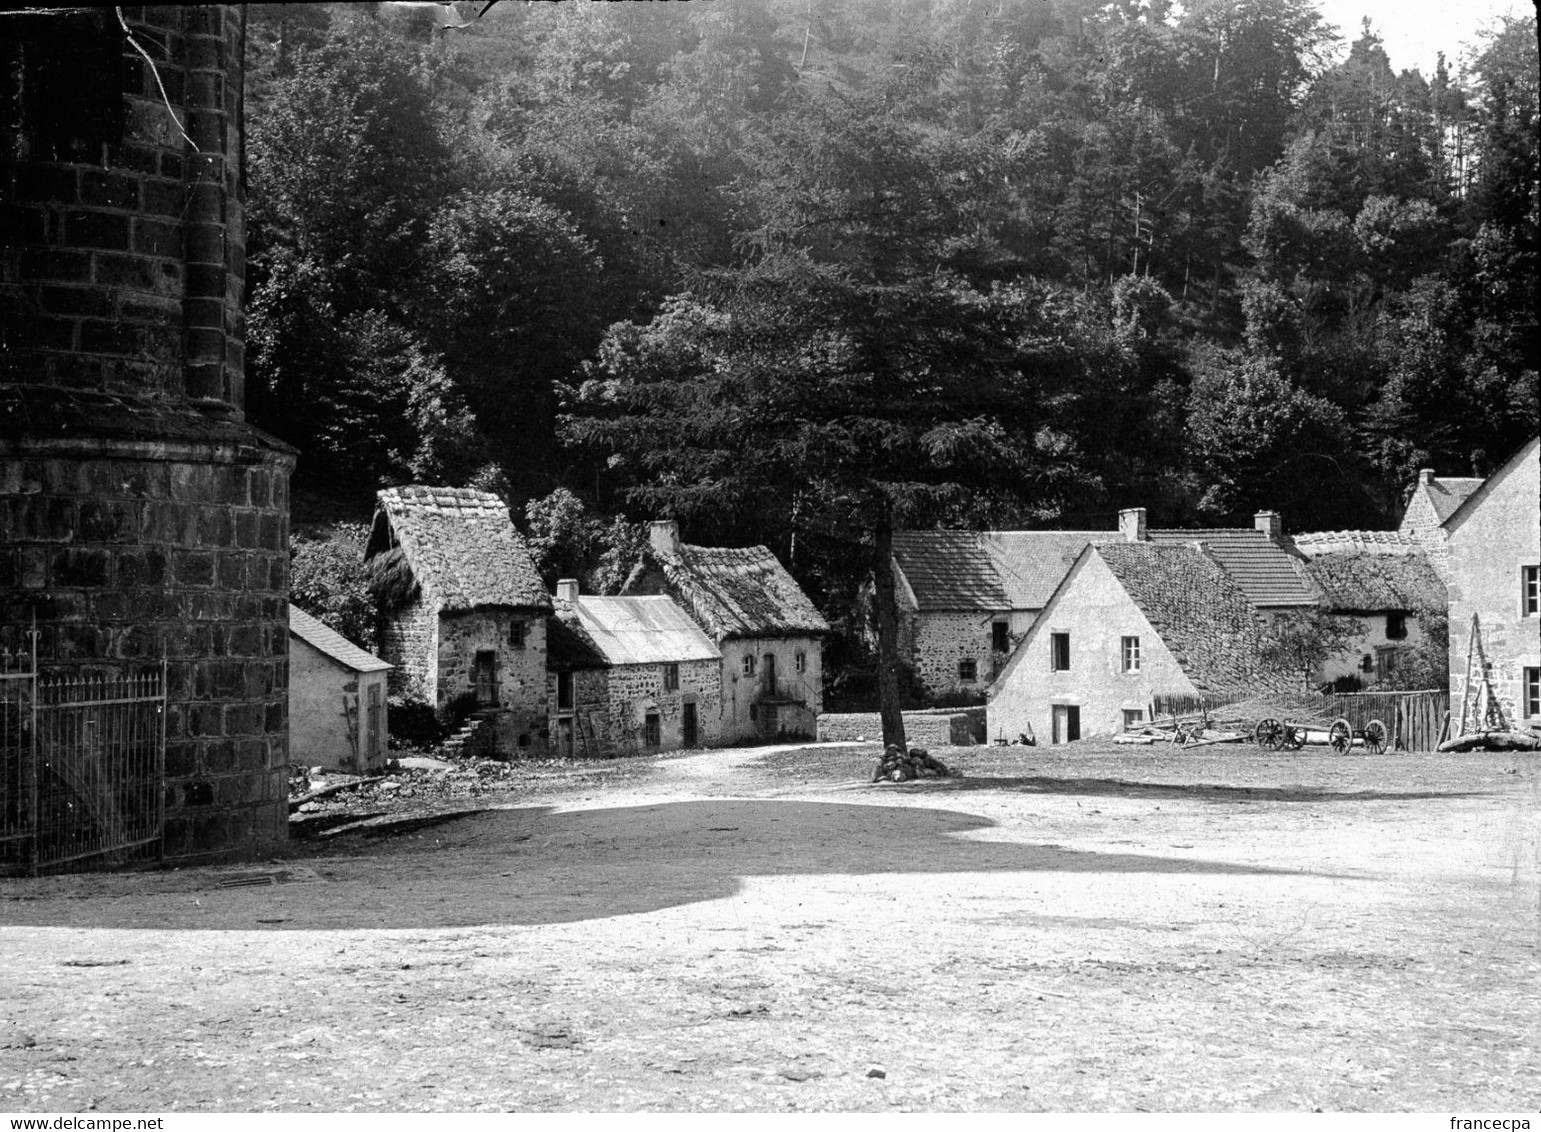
(82, 764)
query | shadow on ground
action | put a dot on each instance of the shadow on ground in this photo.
(535, 865)
(1193, 792)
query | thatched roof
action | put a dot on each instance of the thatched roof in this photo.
(461, 546)
(736, 592)
(1359, 582)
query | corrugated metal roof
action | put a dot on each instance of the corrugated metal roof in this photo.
(987, 570)
(462, 547)
(332, 643)
(640, 630)
(1265, 571)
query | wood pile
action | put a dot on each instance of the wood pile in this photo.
(896, 766)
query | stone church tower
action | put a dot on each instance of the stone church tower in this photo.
(141, 517)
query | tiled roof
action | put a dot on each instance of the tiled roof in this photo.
(1372, 583)
(332, 643)
(1446, 493)
(632, 630)
(1200, 612)
(739, 592)
(462, 547)
(1313, 544)
(1529, 452)
(1265, 571)
(994, 570)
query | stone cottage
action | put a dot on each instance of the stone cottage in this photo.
(1130, 621)
(770, 635)
(463, 611)
(141, 517)
(337, 699)
(1393, 594)
(967, 597)
(629, 675)
(1494, 539)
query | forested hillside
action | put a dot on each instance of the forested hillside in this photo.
(800, 270)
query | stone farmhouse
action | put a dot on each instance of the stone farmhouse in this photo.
(1129, 621)
(337, 699)
(770, 635)
(967, 597)
(629, 675)
(144, 520)
(1494, 576)
(463, 609)
(1385, 582)
(1433, 500)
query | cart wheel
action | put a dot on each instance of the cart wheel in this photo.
(1294, 737)
(1340, 736)
(1375, 737)
(1269, 734)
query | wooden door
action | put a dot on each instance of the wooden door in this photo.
(1067, 723)
(688, 725)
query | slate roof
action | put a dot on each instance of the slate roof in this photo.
(1200, 612)
(1446, 493)
(332, 643)
(994, 570)
(608, 631)
(1529, 451)
(739, 592)
(1353, 582)
(1264, 570)
(1313, 544)
(461, 545)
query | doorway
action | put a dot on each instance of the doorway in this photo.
(1067, 723)
(484, 677)
(770, 674)
(689, 734)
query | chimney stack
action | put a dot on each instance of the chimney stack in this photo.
(1425, 476)
(1270, 524)
(1131, 524)
(664, 535)
(567, 592)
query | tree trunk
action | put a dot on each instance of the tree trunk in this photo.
(885, 608)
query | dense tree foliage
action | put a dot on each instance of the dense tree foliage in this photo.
(801, 270)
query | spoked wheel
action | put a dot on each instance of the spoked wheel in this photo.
(1340, 737)
(1269, 734)
(1375, 736)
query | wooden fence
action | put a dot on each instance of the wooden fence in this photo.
(1168, 705)
(1414, 719)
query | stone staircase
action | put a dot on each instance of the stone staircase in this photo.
(474, 738)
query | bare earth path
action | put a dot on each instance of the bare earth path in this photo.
(1084, 929)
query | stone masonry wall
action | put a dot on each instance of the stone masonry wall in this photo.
(636, 689)
(742, 693)
(932, 728)
(409, 639)
(944, 638)
(521, 672)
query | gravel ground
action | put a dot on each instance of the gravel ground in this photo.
(1088, 928)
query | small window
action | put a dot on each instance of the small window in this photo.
(1396, 626)
(671, 678)
(650, 732)
(1133, 717)
(1530, 591)
(564, 691)
(999, 640)
(749, 665)
(800, 661)
(1532, 691)
(1059, 652)
(1129, 650)
(516, 634)
(968, 670)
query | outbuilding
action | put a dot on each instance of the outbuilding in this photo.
(337, 699)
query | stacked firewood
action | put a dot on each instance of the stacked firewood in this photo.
(896, 766)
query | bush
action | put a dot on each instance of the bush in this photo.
(327, 580)
(413, 723)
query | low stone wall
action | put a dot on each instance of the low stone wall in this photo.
(935, 727)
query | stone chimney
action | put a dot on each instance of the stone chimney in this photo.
(1270, 524)
(567, 592)
(1131, 524)
(1425, 476)
(664, 536)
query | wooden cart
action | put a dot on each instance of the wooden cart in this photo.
(1280, 735)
